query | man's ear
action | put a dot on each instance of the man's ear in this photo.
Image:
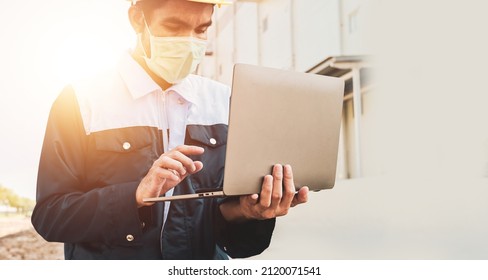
(136, 17)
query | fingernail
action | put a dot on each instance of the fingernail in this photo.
(288, 167)
(278, 168)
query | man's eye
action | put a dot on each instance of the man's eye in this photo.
(201, 30)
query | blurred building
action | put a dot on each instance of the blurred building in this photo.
(414, 142)
(319, 36)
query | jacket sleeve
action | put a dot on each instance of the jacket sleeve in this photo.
(67, 210)
(243, 240)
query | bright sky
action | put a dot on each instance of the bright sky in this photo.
(46, 45)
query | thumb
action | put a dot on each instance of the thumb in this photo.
(253, 198)
(198, 165)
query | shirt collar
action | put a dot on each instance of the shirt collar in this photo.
(186, 89)
(139, 83)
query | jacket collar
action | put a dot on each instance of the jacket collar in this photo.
(139, 83)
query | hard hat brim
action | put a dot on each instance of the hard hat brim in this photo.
(217, 2)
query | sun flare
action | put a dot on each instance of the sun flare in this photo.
(85, 45)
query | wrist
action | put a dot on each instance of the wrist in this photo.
(232, 211)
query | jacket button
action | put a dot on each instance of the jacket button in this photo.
(126, 146)
(213, 141)
(129, 237)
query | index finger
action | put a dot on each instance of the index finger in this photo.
(189, 150)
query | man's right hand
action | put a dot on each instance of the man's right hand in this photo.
(168, 171)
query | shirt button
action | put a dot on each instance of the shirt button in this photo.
(126, 146)
(213, 141)
(129, 237)
(143, 225)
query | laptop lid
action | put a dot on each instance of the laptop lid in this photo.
(286, 117)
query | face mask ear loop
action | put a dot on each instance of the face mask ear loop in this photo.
(139, 37)
(145, 25)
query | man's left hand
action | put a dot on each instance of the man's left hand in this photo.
(277, 196)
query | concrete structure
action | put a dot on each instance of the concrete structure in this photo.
(299, 35)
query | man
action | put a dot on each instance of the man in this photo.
(145, 130)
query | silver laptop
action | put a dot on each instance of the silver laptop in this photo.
(279, 116)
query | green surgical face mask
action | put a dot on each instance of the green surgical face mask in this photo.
(174, 58)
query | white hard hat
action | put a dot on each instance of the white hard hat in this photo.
(217, 2)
